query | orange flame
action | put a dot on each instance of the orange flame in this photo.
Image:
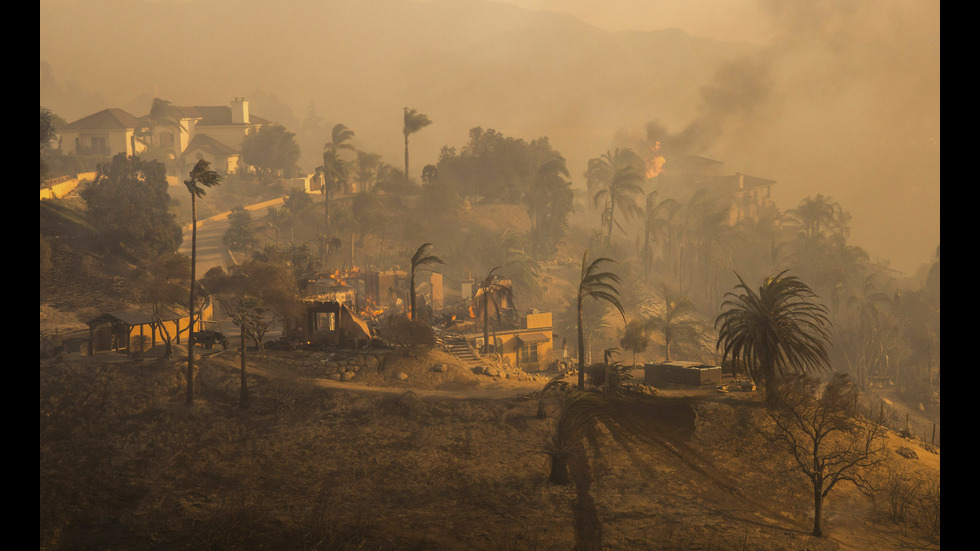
(655, 165)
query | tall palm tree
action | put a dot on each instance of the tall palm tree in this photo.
(774, 330)
(597, 285)
(201, 177)
(334, 169)
(549, 200)
(493, 292)
(656, 224)
(614, 180)
(420, 260)
(414, 121)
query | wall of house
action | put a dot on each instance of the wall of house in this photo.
(116, 141)
(231, 136)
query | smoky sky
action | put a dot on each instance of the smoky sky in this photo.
(839, 97)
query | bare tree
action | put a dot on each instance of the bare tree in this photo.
(828, 439)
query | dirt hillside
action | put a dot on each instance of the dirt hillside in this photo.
(439, 460)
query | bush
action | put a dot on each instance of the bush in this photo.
(397, 329)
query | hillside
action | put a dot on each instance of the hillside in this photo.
(125, 465)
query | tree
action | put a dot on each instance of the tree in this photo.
(816, 215)
(159, 283)
(596, 285)
(48, 132)
(163, 114)
(494, 292)
(656, 225)
(676, 322)
(414, 121)
(774, 330)
(129, 206)
(240, 235)
(549, 202)
(272, 150)
(614, 180)
(825, 435)
(420, 260)
(248, 293)
(634, 338)
(201, 178)
(334, 169)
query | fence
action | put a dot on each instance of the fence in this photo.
(901, 419)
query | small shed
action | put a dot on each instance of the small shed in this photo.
(681, 373)
(115, 330)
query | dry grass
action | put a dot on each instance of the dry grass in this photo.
(125, 465)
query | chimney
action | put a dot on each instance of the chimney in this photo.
(239, 111)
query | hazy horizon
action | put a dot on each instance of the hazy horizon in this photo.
(838, 98)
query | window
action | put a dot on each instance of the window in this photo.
(529, 353)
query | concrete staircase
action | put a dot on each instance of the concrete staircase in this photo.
(457, 346)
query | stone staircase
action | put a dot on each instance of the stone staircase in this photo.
(457, 346)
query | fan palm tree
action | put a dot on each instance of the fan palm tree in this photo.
(614, 182)
(420, 260)
(597, 285)
(774, 330)
(201, 177)
(414, 121)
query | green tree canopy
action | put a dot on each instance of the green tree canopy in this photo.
(129, 206)
(272, 150)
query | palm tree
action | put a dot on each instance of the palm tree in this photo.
(494, 292)
(615, 180)
(656, 225)
(334, 169)
(420, 259)
(414, 121)
(814, 215)
(774, 330)
(597, 285)
(201, 177)
(162, 114)
(549, 200)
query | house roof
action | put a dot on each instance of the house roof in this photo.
(133, 317)
(107, 119)
(209, 145)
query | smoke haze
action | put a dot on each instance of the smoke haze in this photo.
(837, 97)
